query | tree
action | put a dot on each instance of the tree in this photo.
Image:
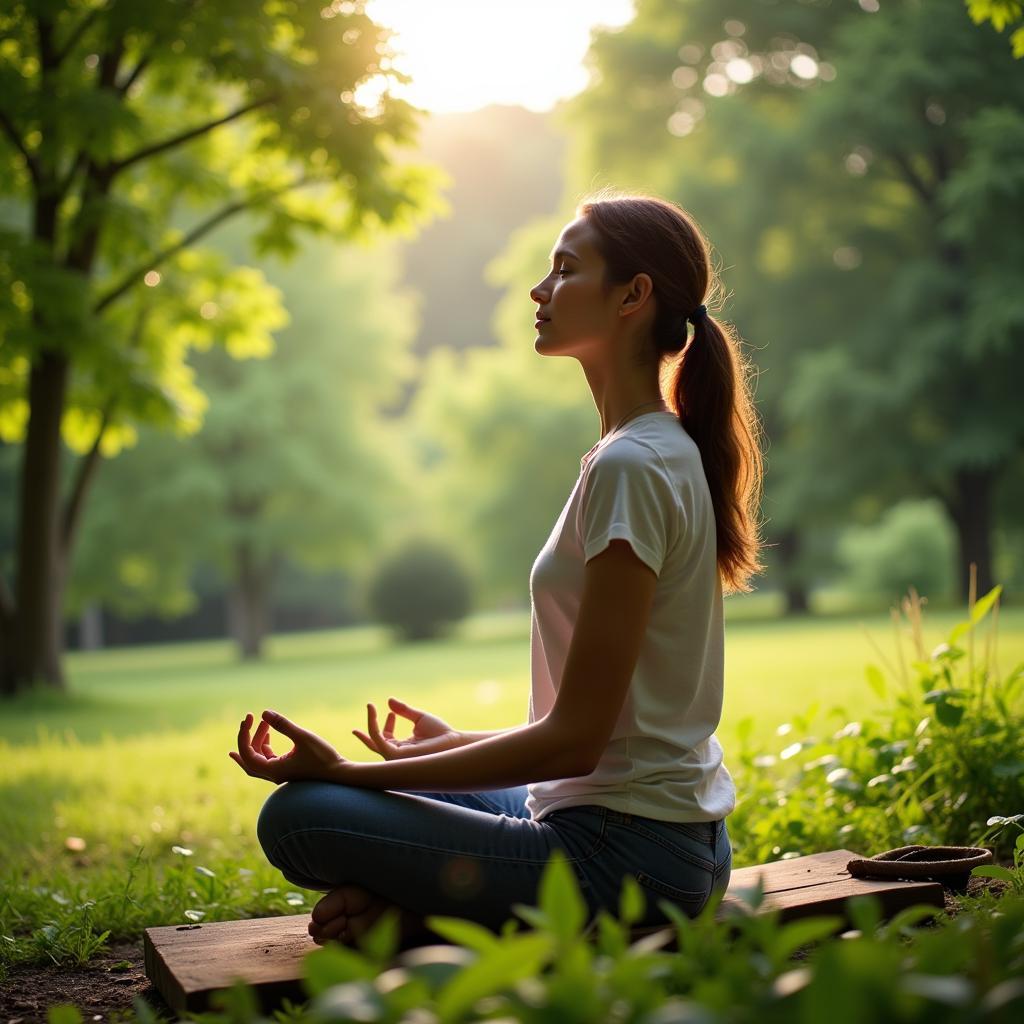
(502, 430)
(290, 462)
(118, 121)
(943, 122)
(729, 155)
(852, 169)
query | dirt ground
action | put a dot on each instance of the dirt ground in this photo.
(102, 990)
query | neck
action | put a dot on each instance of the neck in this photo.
(618, 401)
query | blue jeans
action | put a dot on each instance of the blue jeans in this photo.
(474, 855)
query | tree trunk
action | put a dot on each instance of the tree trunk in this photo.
(39, 584)
(971, 511)
(248, 614)
(793, 587)
(90, 628)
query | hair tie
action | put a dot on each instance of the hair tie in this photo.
(698, 314)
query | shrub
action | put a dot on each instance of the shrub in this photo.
(913, 544)
(739, 969)
(420, 590)
(935, 765)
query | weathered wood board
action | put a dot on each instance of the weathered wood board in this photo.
(820, 884)
(188, 963)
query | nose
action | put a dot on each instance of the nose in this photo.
(540, 292)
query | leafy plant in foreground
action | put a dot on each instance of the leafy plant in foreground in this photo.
(730, 965)
(943, 757)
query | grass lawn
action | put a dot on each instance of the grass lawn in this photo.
(134, 761)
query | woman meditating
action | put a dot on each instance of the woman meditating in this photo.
(618, 765)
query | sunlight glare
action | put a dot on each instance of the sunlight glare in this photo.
(463, 55)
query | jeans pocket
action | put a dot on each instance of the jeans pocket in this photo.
(690, 901)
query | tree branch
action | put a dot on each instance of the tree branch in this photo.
(201, 229)
(159, 147)
(12, 133)
(77, 164)
(916, 182)
(76, 34)
(124, 86)
(83, 477)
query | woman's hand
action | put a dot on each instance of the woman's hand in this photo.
(429, 735)
(311, 757)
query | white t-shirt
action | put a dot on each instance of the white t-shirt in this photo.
(644, 483)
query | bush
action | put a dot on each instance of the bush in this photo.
(966, 969)
(912, 545)
(420, 590)
(942, 760)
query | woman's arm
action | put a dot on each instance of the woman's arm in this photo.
(526, 753)
(618, 593)
(430, 734)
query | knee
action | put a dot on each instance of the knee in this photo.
(269, 822)
(281, 813)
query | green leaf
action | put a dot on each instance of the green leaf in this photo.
(982, 605)
(239, 1002)
(995, 871)
(948, 989)
(876, 680)
(464, 933)
(906, 917)
(144, 1013)
(63, 1013)
(531, 915)
(520, 956)
(865, 912)
(560, 898)
(631, 901)
(611, 935)
(949, 714)
(334, 965)
(799, 933)
(380, 943)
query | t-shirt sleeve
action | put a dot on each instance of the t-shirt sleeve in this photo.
(629, 496)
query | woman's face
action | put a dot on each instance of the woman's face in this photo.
(574, 308)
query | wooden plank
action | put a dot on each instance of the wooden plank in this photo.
(188, 963)
(820, 884)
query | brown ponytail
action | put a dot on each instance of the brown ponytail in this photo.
(710, 392)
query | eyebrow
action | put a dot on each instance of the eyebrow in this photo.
(563, 252)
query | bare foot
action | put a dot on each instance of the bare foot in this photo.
(346, 913)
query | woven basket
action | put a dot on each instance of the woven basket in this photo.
(951, 865)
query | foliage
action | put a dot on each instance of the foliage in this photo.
(737, 968)
(1001, 13)
(128, 133)
(267, 96)
(1013, 875)
(135, 763)
(942, 757)
(912, 545)
(290, 460)
(863, 214)
(420, 589)
(504, 429)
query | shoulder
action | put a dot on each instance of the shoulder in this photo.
(630, 457)
(630, 470)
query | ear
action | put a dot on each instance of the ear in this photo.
(637, 295)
